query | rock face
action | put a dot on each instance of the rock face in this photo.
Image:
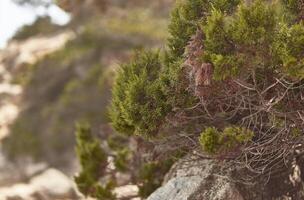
(180, 188)
(196, 179)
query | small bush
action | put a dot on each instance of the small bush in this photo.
(209, 140)
(93, 161)
(213, 141)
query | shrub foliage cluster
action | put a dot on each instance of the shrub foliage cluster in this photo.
(93, 161)
(231, 79)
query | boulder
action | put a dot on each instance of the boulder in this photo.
(53, 183)
(196, 179)
(50, 184)
(193, 178)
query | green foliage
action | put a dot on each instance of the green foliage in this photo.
(213, 141)
(122, 154)
(174, 85)
(209, 140)
(216, 33)
(93, 161)
(256, 36)
(121, 159)
(231, 137)
(219, 47)
(296, 132)
(148, 88)
(291, 4)
(240, 40)
(186, 19)
(88, 149)
(294, 8)
(147, 175)
(225, 6)
(252, 29)
(254, 25)
(90, 187)
(138, 105)
(289, 49)
(183, 25)
(105, 193)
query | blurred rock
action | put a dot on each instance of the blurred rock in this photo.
(126, 192)
(20, 171)
(51, 184)
(30, 51)
(123, 178)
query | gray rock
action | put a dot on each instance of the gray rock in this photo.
(194, 178)
(179, 188)
(197, 179)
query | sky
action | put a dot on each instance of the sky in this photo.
(13, 17)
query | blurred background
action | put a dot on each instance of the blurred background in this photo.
(57, 65)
